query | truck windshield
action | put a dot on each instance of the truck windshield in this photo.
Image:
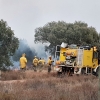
(73, 46)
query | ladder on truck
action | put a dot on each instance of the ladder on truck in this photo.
(79, 60)
(80, 57)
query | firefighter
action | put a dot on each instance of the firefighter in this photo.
(23, 62)
(35, 63)
(41, 63)
(49, 64)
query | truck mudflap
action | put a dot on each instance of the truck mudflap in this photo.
(96, 71)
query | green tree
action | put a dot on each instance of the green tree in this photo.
(8, 44)
(72, 33)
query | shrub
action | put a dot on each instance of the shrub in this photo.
(32, 85)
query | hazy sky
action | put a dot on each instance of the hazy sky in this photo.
(23, 16)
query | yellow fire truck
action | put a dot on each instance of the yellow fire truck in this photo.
(75, 59)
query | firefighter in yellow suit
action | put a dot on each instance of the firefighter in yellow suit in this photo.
(49, 64)
(41, 63)
(23, 62)
(35, 63)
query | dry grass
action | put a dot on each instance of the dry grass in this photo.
(32, 85)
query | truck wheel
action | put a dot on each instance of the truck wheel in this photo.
(83, 71)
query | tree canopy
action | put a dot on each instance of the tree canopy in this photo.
(72, 33)
(8, 44)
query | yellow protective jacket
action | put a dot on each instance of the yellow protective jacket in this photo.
(35, 61)
(50, 61)
(23, 62)
(42, 61)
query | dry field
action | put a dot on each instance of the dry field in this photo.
(30, 85)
